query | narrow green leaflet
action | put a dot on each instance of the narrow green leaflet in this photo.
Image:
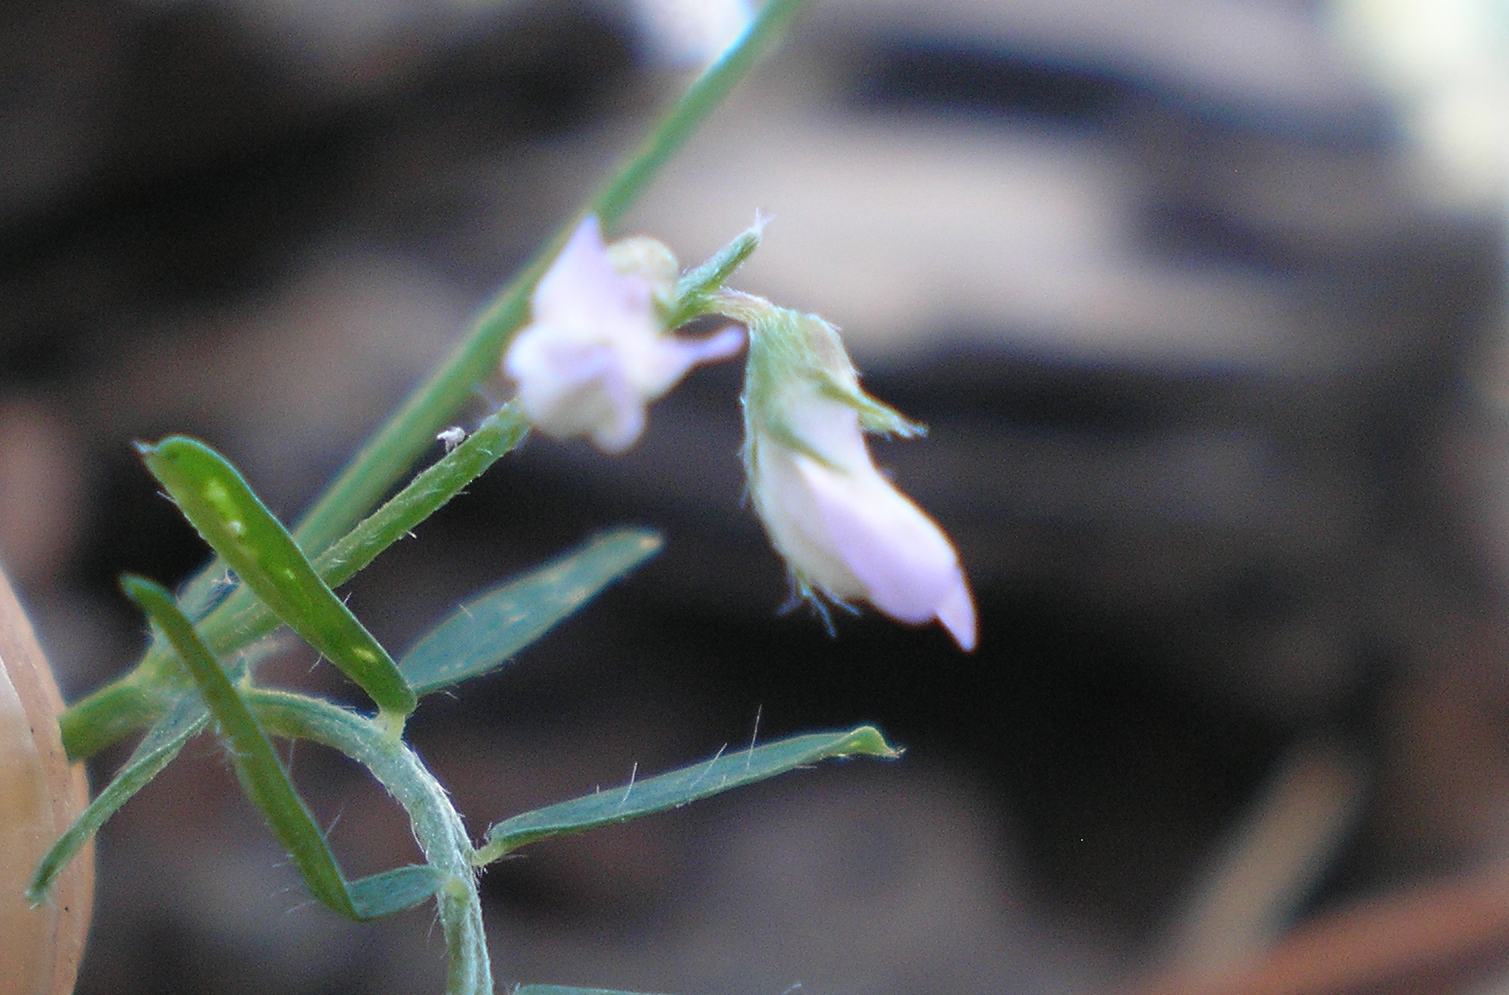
(182, 717)
(267, 784)
(242, 618)
(673, 790)
(696, 289)
(489, 629)
(156, 750)
(231, 518)
(567, 990)
(114, 711)
(388, 892)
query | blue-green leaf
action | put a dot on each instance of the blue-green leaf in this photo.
(393, 891)
(677, 788)
(494, 626)
(231, 518)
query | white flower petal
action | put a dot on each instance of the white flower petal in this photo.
(844, 529)
(595, 352)
(830, 427)
(791, 512)
(690, 32)
(661, 364)
(617, 432)
(853, 536)
(720, 345)
(582, 290)
(561, 383)
(899, 557)
(957, 613)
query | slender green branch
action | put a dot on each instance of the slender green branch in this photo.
(87, 728)
(412, 427)
(437, 826)
(111, 713)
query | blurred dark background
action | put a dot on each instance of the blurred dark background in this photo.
(1203, 302)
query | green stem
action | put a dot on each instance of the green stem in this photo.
(437, 826)
(395, 446)
(112, 712)
(412, 427)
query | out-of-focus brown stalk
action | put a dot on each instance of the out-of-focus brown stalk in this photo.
(1433, 938)
(40, 794)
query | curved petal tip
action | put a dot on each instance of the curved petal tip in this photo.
(957, 614)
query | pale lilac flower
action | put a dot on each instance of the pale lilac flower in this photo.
(690, 32)
(843, 528)
(596, 351)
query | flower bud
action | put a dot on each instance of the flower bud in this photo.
(597, 351)
(847, 534)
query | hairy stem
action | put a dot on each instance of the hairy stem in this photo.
(111, 713)
(412, 427)
(437, 825)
